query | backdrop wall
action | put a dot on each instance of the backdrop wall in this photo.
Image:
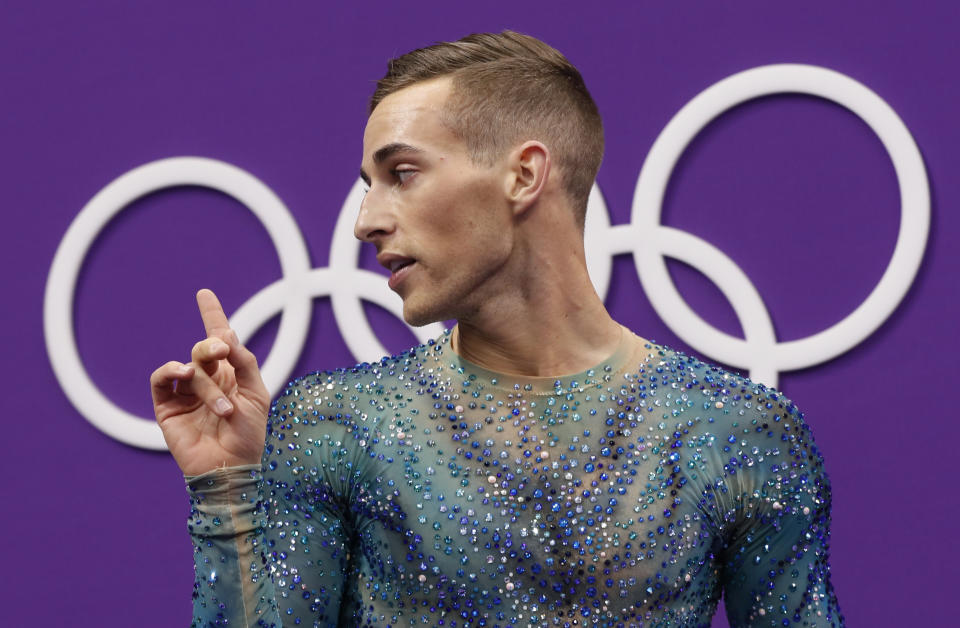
(798, 192)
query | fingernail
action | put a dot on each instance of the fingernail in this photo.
(224, 406)
(218, 346)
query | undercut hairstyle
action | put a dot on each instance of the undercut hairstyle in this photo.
(509, 88)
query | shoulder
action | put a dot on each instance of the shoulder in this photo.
(326, 412)
(719, 396)
(339, 394)
(725, 422)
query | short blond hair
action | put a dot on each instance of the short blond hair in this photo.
(509, 88)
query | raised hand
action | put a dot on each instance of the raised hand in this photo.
(213, 410)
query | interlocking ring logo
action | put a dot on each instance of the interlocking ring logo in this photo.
(645, 237)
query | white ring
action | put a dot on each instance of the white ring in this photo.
(760, 352)
(345, 284)
(61, 283)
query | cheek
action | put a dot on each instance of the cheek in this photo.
(461, 216)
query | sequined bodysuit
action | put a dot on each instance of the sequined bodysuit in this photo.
(425, 490)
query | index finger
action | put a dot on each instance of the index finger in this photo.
(211, 312)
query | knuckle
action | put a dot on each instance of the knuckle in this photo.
(161, 372)
(246, 356)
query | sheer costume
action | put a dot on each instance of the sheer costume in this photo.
(426, 490)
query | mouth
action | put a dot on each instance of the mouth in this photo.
(398, 265)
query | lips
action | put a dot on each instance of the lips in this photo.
(398, 265)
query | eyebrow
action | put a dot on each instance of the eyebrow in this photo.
(385, 152)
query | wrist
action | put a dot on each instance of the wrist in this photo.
(225, 501)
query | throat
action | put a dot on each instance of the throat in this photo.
(550, 353)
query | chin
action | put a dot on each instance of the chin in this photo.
(418, 315)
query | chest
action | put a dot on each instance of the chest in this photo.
(561, 515)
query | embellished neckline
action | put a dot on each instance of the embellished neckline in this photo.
(620, 359)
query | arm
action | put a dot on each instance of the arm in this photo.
(309, 529)
(256, 563)
(232, 585)
(776, 559)
(273, 549)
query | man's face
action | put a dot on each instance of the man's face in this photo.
(441, 224)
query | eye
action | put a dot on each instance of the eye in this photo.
(403, 174)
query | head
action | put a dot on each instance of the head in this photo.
(463, 139)
(508, 88)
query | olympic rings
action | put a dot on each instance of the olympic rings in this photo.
(648, 240)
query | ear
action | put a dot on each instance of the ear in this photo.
(529, 173)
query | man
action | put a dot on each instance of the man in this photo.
(538, 464)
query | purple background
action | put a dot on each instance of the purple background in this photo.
(798, 191)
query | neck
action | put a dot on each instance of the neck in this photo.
(553, 324)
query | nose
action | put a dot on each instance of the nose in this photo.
(374, 220)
